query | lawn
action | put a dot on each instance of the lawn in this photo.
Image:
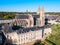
(55, 36)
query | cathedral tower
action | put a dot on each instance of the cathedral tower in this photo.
(38, 11)
(41, 20)
(42, 17)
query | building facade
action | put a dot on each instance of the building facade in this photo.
(23, 20)
(33, 28)
(27, 35)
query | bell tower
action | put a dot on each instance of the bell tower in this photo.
(42, 17)
(41, 20)
(38, 11)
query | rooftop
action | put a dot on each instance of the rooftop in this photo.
(22, 16)
(36, 16)
(35, 28)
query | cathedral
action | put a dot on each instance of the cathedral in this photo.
(30, 20)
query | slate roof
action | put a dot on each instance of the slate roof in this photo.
(22, 16)
(28, 29)
(32, 29)
(36, 16)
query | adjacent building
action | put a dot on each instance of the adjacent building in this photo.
(27, 35)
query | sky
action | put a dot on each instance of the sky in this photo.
(30, 5)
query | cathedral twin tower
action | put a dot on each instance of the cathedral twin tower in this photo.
(42, 17)
(40, 11)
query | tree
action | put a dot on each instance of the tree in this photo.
(6, 17)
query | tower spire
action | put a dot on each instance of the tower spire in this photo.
(42, 10)
(42, 17)
(38, 12)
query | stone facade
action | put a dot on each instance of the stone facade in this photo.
(24, 37)
(18, 37)
(25, 22)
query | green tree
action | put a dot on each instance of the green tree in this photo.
(6, 17)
